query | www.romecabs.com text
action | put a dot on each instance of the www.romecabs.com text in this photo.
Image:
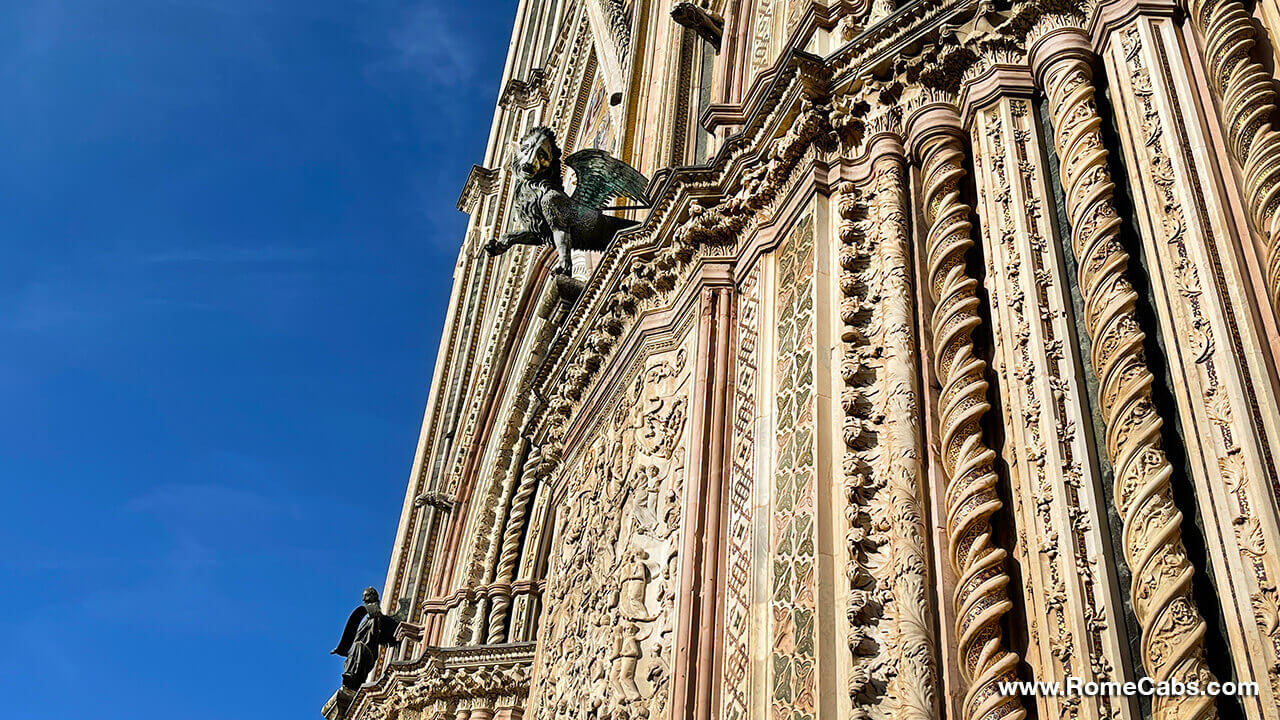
(1079, 687)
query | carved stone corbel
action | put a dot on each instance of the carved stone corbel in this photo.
(441, 501)
(700, 21)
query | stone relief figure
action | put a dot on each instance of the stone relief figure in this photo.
(634, 586)
(550, 215)
(368, 629)
(649, 482)
(662, 414)
(611, 587)
(626, 657)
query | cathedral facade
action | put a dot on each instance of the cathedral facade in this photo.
(941, 355)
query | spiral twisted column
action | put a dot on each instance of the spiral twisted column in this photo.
(510, 556)
(981, 598)
(1246, 104)
(1173, 631)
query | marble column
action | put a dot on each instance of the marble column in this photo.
(1073, 600)
(511, 546)
(525, 604)
(981, 597)
(912, 687)
(887, 589)
(1223, 389)
(1246, 101)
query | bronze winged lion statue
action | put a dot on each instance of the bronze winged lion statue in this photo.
(551, 216)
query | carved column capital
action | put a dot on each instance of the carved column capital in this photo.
(1113, 14)
(995, 81)
(929, 121)
(1057, 43)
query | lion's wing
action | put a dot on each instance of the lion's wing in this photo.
(602, 176)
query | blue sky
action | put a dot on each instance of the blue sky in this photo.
(228, 232)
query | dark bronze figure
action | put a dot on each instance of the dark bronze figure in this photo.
(367, 630)
(701, 21)
(551, 216)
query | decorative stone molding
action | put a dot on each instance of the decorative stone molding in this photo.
(740, 525)
(793, 565)
(1209, 337)
(891, 641)
(615, 11)
(481, 182)
(443, 681)
(1246, 101)
(912, 690)
(524, 93)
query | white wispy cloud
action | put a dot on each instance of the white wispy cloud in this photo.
(425, 41)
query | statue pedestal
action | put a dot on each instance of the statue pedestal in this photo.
(336, 707)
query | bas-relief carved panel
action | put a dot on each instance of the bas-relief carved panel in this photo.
(606, 640)
(741, 518)
(793, 601)
(762, 32)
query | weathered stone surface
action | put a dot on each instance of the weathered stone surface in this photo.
(913, 377)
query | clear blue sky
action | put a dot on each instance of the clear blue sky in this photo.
(228, 231)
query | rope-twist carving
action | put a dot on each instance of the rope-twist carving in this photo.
(1172, 629)
(511, 545)
(1246, 104)
(981, 597)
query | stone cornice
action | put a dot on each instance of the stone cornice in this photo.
(525, 93)
(481, 181)
(498, 673)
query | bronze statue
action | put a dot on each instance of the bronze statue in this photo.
(367, 630)
(551, 216)
(703, 23)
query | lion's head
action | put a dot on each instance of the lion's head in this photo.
(538, 156)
